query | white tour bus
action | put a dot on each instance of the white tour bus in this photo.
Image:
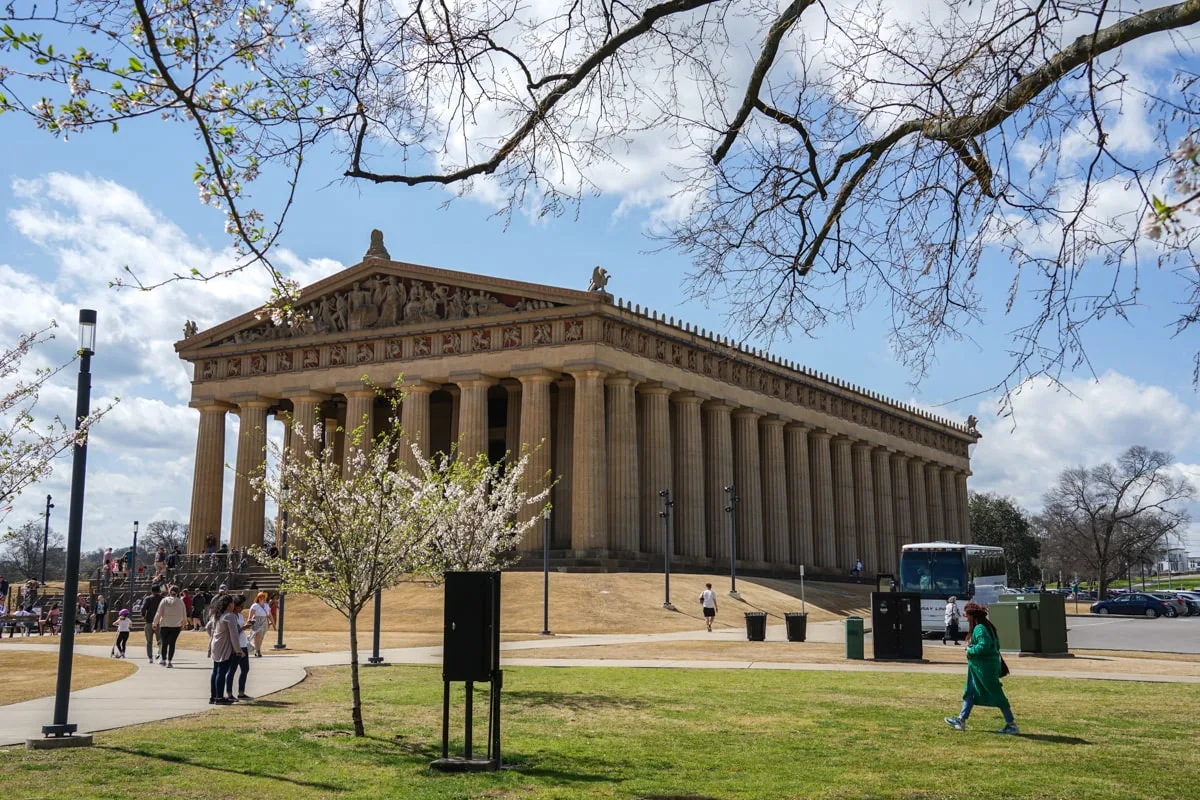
(939, 570)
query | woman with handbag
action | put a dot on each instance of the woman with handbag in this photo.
(952, 618)
(985, 668)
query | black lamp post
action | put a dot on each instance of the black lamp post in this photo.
(133, 567)
(375, 657)
(60, 728)
(731, 510)
(279, 645)
(546, 573)
(665, 494)
(46, 539)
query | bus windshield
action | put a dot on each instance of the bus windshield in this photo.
(934, 572)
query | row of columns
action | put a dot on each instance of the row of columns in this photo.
(612, 443)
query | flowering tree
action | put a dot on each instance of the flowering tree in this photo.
(478, 522)
(28, 446)
(1167, 215)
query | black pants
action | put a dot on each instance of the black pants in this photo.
(122, 640)
(240, 664)
(951, 633)
(169, 636)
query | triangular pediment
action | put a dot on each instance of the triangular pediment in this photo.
(379, 294)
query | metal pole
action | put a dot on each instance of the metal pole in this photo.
(731, 510)
(46, 540)
(66, 648)
(133, 565)
(665, 494)
(546, 574)
(375, 657)
(279, 645)
(803, 607)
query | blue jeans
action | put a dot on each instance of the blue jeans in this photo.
(236, 662)
(969, 703)
(220, 669)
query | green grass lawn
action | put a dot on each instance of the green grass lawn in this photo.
(613, 733)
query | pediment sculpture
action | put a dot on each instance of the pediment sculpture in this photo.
(385, 301)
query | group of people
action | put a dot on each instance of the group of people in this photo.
(233, 635)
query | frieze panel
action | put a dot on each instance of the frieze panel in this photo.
(481, 339)
(386, 301)
(284, 361)
(233, 367)
(337, 355)
(311, 358)
(512, 337)
(394, 349)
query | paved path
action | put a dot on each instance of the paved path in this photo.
(154, 693)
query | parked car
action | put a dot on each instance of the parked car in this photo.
(1176, 606)
(1193, 601)
(1136, 604)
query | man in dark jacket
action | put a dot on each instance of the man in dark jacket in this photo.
(149, 609)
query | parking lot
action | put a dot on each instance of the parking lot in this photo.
(1164, 635)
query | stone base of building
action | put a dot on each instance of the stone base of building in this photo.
(602, 561)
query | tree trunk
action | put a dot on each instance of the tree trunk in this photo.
(355, 693)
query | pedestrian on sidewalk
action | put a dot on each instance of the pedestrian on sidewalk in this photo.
(123, 628)
(241, 660)
(260, 618)
(951, 619)
(149, 609)
(169, 622)
(708, 600)
(985, 668)
(222, 647)
(101, 613)
(858, 568)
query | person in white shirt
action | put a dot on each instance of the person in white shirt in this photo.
(123, 628)
(952, 616)
(708, 599)
(260, 618)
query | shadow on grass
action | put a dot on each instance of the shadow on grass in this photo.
(1052, 738)
(270, 703)
(428, 751)
(172, 758)
(570, 700)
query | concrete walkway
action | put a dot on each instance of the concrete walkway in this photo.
(155, 693)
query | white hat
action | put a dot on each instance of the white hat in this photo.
(222, 588)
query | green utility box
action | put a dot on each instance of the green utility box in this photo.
(1031, 623)
(854, 638)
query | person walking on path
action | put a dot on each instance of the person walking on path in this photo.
(952, 618)
(172, 613)
(983, 672)
(101, 613)
(123, 626)
(222, 648)
(858, 568)
(260, 618)
(149, 610)
(241, 660)
(708, 600)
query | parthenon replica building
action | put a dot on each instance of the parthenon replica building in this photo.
(616, 401)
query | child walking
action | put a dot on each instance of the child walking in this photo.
(122, 631)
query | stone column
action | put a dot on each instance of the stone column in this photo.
(918, 500)
(306, 406)
(512, 422)
(864, 508)
(655, 460)
(950, 505)
(589, 486)
(933, 489)
(536, 444)
(902, 512)
(335, 439)
(821, 472)
(777, 547)
(563, 456)
(687, 523)
(747, 477)
(473, 413)
(360, 423)
(623, 501)
(964, 506)
(208, 475)
(718, 473)
(249, 506)
(414, 419)
(846, 537)
(799, 492)
(455, 405)
(885, 526)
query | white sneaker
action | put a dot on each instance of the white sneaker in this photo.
(1010, 729)
(956, 723)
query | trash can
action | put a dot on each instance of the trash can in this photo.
(797, 626)
(854, 638)
(756, 626)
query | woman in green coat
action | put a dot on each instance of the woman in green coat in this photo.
(983, 671)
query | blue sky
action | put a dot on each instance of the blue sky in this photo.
(76, 211)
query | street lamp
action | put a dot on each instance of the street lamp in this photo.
(665, 494)
(375, 657)
(279, 645)
(60, 729)
(731, 509)
(46, 539)
(546, 572)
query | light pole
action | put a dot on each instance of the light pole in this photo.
(279, 645)
(665, 494)
(46, 539)
(731, 510)
(375, 657)
(546, 573)
(60, 728)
